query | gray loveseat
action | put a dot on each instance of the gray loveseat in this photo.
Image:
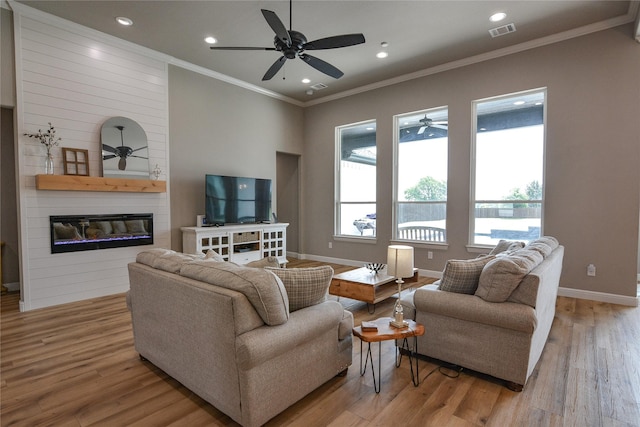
(499, 326)
(234, 335)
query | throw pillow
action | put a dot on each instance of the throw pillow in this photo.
(263, 289)
(105, 226)
(269, 261)
(213, 255)
(305, 286)
(502, 275)
(506, 246)
(461, 276)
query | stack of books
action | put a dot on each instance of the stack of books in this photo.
(369, 327)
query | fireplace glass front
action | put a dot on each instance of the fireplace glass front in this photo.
(72, 233)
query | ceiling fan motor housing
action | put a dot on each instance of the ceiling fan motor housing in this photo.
(297, 44)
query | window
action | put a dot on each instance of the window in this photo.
(356, 180)
(421, 175)
(507, 188)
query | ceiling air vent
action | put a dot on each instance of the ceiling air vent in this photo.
(319, 86)
(501, 31)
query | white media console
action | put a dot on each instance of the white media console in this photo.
(240, 243)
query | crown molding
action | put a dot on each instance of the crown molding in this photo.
(232, 80)
(543, 41)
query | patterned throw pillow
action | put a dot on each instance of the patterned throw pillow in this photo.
(506, 246)
(305, 286)
(462, 276)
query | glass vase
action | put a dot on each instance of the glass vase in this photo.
(48, 164)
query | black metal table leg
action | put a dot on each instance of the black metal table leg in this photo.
(369, 357)
(415, 376)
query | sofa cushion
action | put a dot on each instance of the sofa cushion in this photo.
(262, 288)
(305, 286)
(461, 276)
(502, 275)
(507, 246)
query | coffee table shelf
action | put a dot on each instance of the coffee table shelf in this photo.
(362, 285)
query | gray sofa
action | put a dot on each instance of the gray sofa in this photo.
(234, 335)
(499, 327)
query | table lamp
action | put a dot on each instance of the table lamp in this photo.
(399, 265)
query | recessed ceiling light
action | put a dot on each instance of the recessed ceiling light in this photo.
(382, 55)
(518, 103)
(497, 17)
(210, 40)
(124, 21)
(305, 81)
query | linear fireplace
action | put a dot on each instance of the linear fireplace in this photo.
(73, 233)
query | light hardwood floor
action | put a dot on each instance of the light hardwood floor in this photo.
(75, 365)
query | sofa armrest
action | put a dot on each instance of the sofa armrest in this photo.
(264, 343)
(519, 317)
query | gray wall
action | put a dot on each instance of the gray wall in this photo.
(593, 153)
(218, 128)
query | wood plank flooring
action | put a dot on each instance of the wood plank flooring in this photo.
(75, 365)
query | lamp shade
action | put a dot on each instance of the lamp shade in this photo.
(400, 261)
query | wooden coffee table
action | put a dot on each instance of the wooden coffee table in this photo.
(387, 332)
(363, 285)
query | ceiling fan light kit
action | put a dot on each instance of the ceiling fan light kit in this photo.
(293, 44)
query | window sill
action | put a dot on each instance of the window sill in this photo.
(371, 240)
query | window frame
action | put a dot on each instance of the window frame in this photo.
(396, 168)
(473, 164)
(338, 202)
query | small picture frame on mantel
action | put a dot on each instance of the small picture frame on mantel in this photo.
(76, 161)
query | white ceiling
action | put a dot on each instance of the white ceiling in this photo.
(423, 36)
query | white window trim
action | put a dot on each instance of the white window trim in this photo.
(479, 248)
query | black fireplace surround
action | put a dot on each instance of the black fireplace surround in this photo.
(71, 233)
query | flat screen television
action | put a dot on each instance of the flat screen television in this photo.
(237, 200)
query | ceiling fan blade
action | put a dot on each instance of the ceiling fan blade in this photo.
(335, 42)
(322, 66)
(109, 148)
(122, 163)
(422, 129)
(138, 149)
(277, 26)
(275, 67)
(240, 48)
(445, 127)
(139, 157)
(109, 156)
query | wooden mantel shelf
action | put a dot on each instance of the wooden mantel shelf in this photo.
(97, 183)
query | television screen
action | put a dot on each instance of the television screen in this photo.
(237, 200)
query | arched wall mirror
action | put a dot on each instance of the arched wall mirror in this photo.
(125, 153)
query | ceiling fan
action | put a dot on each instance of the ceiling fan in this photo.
(293, 43)
(122, 151)
(429, 123)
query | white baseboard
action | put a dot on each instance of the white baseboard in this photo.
(598, 296)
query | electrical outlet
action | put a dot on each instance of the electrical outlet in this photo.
(430, 255)
(330, 245)
(591, 270)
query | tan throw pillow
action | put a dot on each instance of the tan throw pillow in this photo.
(501, 276)
(263, 289)
(305, 286)
(119, 227)
(506, 246)
(105, 226)
(461, 276)
(214, 256)
(269, 261)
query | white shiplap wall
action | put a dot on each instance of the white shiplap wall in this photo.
(77, 78)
